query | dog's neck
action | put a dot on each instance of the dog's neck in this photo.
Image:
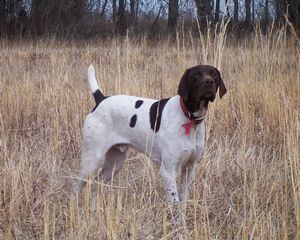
(202, 109)
(196, 107)
(194, 115)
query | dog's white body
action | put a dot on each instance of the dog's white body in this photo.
(111, 128)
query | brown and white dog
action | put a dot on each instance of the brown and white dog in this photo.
(170, 131)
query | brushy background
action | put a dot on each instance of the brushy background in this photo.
(247, 184)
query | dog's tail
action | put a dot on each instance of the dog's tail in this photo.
(98, 96)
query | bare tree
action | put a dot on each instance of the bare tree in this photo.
(280, 9)
(236, 11)
(137, 10)
(2, 17)
(217, 11)
(172, 15)
(248, 12)
(132, 12)
(103, 8)
(13, 17)
(68, 17)
(266, 17)
(253, 10)
(56, 17)
(121, 21)
(227, 12)
(35, 18)
(204, 10)
(114, 11)
(294, 12)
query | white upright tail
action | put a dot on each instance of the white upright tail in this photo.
(98, 96)
(92, 79)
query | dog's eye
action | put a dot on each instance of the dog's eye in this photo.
(214, 74)
(197, 74)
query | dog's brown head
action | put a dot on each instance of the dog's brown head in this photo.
(200, 83)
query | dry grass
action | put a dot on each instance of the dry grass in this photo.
(247, 184)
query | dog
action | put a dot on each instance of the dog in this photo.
(170, 131)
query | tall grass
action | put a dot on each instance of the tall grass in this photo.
(247, 184)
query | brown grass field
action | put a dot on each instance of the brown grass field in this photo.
(248, 181)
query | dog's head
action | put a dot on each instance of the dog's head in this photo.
(200, 83)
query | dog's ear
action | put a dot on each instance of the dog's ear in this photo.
(222, 89)
(183, 89)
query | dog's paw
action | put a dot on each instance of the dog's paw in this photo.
(173, 198)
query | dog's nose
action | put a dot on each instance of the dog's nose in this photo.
(208, 82)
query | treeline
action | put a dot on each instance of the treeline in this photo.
(88, 18)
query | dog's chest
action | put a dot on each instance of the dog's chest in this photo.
(193, 144)
(187, 145)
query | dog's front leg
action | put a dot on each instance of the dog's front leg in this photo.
(187, 179)
(168, 175)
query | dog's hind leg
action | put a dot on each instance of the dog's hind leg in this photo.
(91, 161)
(94, 150)
(115, 158)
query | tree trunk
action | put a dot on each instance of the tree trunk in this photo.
(280, 9)
(2, 8)
(35, 18)
(217, 11)
(114, 11)
(227, 13)
(137, 11)
(121, 22)
(11, 17)
(236, 11)
(132, 12)
(173, 15)
(294, 12)
(103, 8)
(2, 17)
(253, 11)
(248, 12)
(204, 10)
(266, 15)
